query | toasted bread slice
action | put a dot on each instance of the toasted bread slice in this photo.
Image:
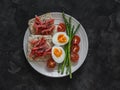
(42, 17)
(30, 46)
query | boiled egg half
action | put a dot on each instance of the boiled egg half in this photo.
(58, 54)
(60, 38)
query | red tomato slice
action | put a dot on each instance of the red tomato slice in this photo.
(74, 57)
(75, 48)
(76, 40)
(61, 27)
(51, 63)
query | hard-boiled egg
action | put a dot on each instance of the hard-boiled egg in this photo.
(60, 38)
(58, 54)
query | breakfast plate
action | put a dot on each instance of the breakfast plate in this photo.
(40, 66)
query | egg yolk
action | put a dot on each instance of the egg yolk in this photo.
(62, 38)
(57, 52)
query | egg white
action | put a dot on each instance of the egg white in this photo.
(58, 59)
(55, 38)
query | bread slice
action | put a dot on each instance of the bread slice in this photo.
(42, 17)
(30, 46)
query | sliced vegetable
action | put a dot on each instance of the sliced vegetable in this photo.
(74, 57)
(76, 40)
(51, 63)
(61, 27)
(75, 48)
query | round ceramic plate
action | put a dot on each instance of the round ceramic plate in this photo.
(41, 66)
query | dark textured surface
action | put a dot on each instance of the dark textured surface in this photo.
(100, 18)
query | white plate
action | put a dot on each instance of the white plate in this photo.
(41, 66)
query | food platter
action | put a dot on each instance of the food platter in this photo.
(40, 66)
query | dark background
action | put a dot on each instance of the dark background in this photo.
(101, 69)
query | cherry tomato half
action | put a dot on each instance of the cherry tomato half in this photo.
(75, 48)
(76, 40)
(51, 63)
(74, 57)
(61, 27)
